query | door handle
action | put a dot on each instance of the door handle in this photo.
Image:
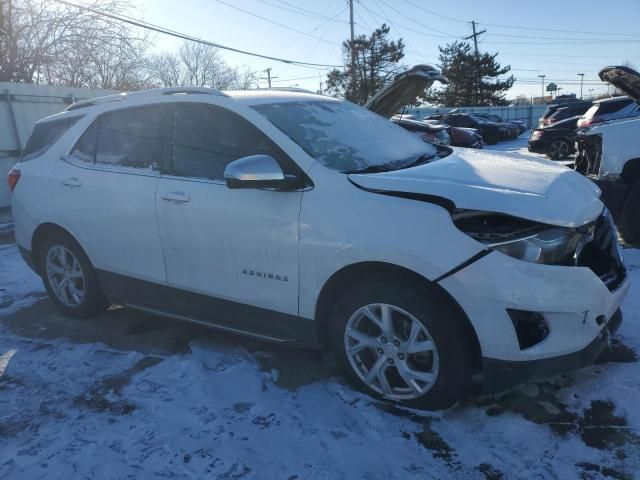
(71, 182)
(176, 197)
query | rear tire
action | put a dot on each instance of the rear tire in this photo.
(69, 277)
(629, 223)
(420, 318)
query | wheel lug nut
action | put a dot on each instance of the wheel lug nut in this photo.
(380, 351)
(383, 340)
(401, 356)
(390, 361)
(396, 343)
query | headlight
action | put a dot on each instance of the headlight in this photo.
(536, 134)
(522, 239)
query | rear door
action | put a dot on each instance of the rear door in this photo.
(231, 255)
(105, 195)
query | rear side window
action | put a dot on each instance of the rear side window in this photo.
(131, 138)
(44, 135)
(610, 107)
(207, 138)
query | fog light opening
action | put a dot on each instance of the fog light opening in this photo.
(531, 327)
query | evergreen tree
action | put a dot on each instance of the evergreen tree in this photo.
(472, 81)
(376, 63)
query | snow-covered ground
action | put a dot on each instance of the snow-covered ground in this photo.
(132, 396)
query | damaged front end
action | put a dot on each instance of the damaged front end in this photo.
(593, 245)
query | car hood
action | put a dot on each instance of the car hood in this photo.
(624, 78)
(511, 184)
(404, 89)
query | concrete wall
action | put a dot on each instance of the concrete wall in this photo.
(21, 105)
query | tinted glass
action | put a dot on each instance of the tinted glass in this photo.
(344, 136)
(44, 135)
(131, 138)
(85, 149)
(207, 138)
(612, 107)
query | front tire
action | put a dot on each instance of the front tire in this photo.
(559, 149)
(629, 222)
(403, 343)
(69, 277)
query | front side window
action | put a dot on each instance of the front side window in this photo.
(45, 135)
(343, 136)
(131, 138)
(85, 150)
(207, 138)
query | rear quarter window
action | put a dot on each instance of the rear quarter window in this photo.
(611, 107)
(44, 135)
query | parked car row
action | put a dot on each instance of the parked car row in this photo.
(439, 134)
(492, 132)
(561, 123)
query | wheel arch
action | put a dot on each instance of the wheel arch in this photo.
(43, 231)
(349, 274)
(631, 171)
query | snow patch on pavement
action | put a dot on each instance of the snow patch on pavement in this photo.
(19, 286)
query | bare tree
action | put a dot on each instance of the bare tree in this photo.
(198, 65)
(43, 42)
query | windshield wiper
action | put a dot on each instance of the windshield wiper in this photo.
(370, 169)
(418, 161)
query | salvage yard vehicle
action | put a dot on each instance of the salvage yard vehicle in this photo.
(311, 221)
(556, 140)
(491, 132)
(436, 134)
(609, 154)
(609, 109)
(561, 111)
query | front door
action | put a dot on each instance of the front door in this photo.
(231, 255)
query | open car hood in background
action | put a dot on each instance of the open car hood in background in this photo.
(624, 78)
(404, 89)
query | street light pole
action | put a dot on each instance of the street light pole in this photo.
(581, 75)
(542, 96)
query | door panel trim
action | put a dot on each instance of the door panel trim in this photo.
(227, 315)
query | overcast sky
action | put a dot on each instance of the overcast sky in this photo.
(586, 34)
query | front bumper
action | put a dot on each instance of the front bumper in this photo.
(574, 302)
(537, 146)
(500, 374)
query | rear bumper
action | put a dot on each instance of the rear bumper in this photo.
(500, 374)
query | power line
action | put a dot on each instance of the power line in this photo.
(399, 12)
(173, 33)
(282, 25)
(436, 13)
(394, 24)
(301, 11)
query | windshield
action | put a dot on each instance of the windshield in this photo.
(346, 137)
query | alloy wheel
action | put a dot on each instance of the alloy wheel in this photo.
(391, 351)
(559, 149)
(65, 276)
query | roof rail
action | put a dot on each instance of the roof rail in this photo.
(145, 93)
(288, 89)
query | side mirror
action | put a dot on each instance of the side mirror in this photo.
(258, 171)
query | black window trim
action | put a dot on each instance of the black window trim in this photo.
(74, 119)
(167, 167)
(103, 167)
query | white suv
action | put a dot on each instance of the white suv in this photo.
(308, 220)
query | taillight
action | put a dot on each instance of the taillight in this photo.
(12, 178)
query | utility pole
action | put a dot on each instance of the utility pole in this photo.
(475, 44)
(268, 78)
(353, 52)
(581, 75)
(542, 95)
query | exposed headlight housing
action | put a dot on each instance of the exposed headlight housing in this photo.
(523, 239)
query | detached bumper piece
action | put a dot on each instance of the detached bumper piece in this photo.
(500, 374)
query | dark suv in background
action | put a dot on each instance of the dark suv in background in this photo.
(491, 132)
(560, 111)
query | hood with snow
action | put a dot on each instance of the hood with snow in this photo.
(511, 184)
